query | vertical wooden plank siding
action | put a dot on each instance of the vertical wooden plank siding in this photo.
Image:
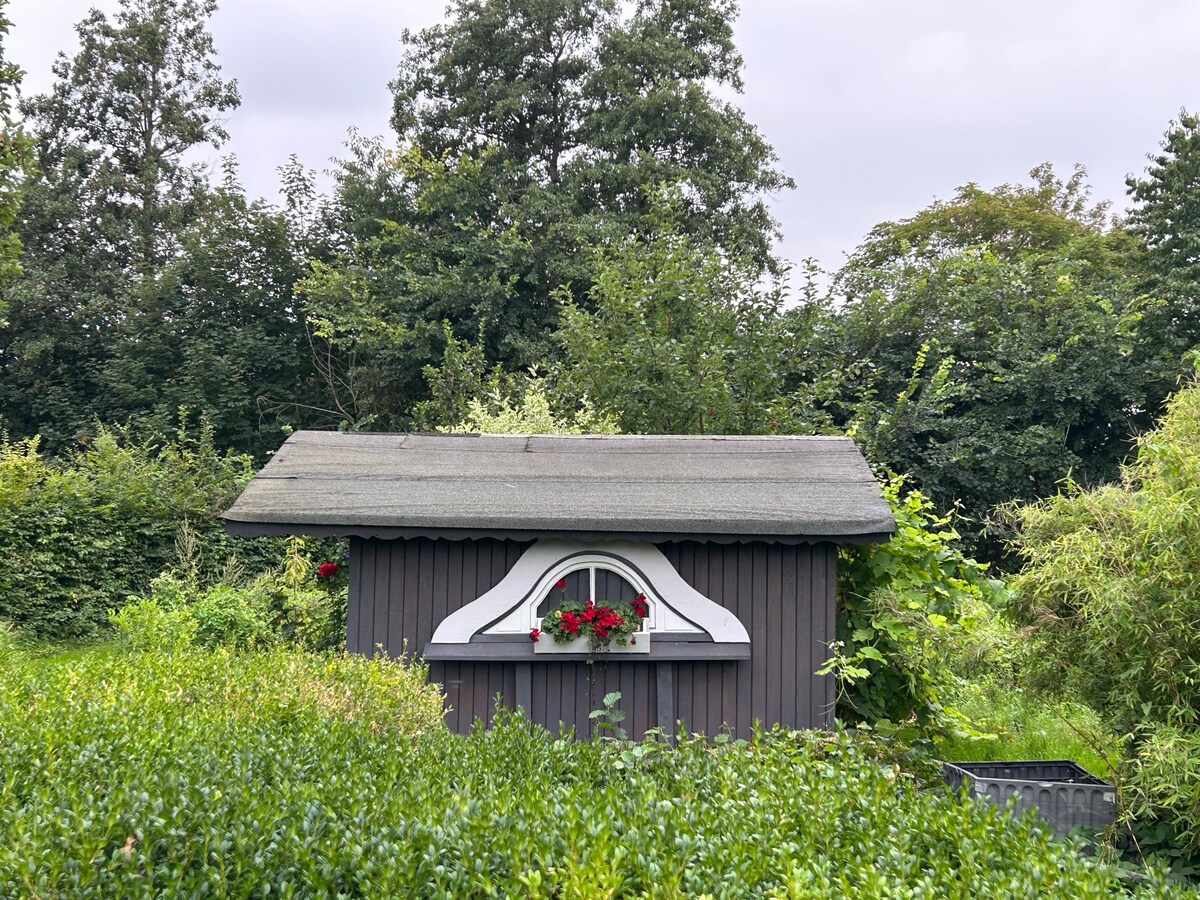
(383, 572)
(784, 594)
(354, 607)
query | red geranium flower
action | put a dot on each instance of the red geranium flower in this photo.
(561, 584)
(327, 569)
(533, 635)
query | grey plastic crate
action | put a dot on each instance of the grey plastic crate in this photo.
(1065, 794)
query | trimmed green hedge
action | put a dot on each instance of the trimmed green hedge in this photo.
(285, 774)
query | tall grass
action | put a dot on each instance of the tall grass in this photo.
(1017, 724)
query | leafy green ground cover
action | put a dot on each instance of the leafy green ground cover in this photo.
(278, 773)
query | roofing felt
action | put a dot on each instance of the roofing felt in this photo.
(334, 483)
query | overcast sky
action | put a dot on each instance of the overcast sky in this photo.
(874, 107)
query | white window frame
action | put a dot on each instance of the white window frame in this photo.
(592, 562)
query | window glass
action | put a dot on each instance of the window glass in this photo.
(578, 588)
(610, 588)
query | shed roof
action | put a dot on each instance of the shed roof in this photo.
(587, 486)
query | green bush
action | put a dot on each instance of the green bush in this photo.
(1111, 581)
(1111, 593)
(179, 612)
(909, 611)
(278, 773)
(77, 536)
(146, 624)
(233, 617)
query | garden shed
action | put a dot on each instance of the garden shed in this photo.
(464, 547)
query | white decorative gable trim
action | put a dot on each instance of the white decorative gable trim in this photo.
(510, 608)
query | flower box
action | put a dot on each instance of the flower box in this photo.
(547, 644)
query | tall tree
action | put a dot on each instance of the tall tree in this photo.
(1006, 346)
(146, 289)
(16, 162)
(530, 132)
(576, 95)
(1166, 217)
(143, 90)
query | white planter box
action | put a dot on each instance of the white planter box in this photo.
(547, 644)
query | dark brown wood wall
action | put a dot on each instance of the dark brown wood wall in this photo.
(784, 595)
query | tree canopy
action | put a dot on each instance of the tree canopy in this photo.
(16, 162)
(1007, 341)
(1166, 218)
(146, 288)
(530, 134)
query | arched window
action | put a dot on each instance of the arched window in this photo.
(603, 580)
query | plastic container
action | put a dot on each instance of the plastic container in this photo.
(1065, 794)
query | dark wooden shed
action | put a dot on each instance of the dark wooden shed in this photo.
(458, 541)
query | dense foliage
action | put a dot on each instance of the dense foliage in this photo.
(218, 773)
(299, 604)
(674, 338)
(1003, 342)
(1112, 578)
(1111, 585)
(530, 133)
(906, 609)
(145, 286)
(569, 188)
(79, 535)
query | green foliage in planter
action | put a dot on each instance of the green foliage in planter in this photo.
(79, 535)
(218, 773)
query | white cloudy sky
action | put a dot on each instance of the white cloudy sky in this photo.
(875, 107)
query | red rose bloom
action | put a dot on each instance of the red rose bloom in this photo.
(561, 584)
(533, 635)
(327, 570)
